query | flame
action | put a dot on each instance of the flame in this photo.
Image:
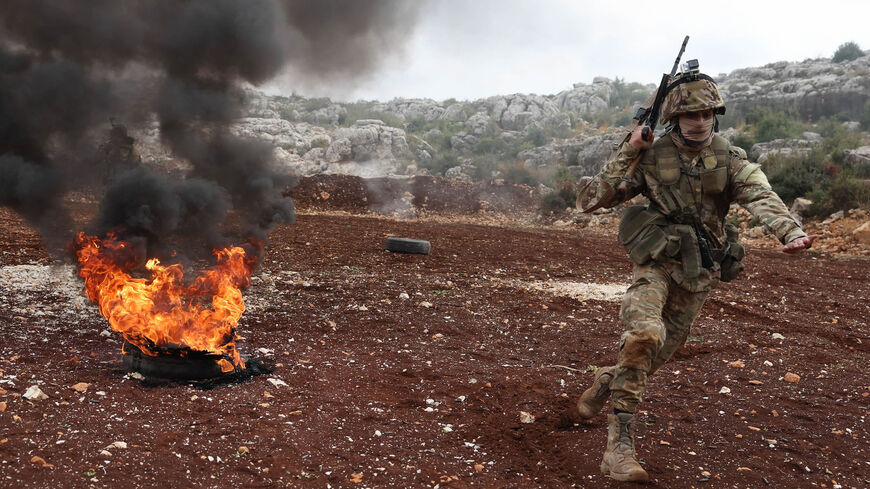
(164, 312)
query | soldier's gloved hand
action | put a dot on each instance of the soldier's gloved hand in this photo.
(798, 244)
(638, 141)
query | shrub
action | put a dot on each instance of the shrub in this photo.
(864, 118)
(768, 125)
(517, 173)
(557, 201)
(844, 192)
(441, 162)
(744, 140)
(847, 52)
(794, 178)
(624, 95)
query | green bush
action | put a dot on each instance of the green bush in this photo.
(837, 139)
(864, 118)
(844, 192)
(441, 162)
(795, 178)
(557, 201)
(517, 173)
(847, 52)
(768, 125)
(483, 166)
(624, 95)
(563, 175)
(744, 140)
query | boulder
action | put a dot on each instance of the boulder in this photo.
(411, 109)
(454, 113)
(858, 156)
(862, 233)
(789, 148)
(515, 112)
(800, 206)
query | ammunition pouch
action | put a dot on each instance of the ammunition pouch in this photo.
(644, 234)
(731, 262)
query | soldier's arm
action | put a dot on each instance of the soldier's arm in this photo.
(604, 189)
(751, 189)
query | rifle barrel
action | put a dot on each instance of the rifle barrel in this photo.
(680, 55)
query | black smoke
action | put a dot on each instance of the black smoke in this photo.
(67, 67)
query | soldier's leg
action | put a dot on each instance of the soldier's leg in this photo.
(679, 313)
(644, 336)
(645, 333)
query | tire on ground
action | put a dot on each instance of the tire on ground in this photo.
(407, 245)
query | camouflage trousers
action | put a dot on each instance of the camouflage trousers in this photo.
(657, 315)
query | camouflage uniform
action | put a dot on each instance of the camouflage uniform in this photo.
(663, 300)
(686, 190)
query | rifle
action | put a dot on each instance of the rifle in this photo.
(648, 115)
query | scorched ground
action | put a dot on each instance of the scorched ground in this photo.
(412, 371)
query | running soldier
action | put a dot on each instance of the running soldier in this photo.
(679, 242)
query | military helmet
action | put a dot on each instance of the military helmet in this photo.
(691, 92)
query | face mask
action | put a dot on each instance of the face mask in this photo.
(696, 131)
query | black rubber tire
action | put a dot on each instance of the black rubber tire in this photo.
(407, 245)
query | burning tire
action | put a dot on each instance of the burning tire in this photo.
(192, 366)
(407, 245)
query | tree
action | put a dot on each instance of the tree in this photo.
(847, 52)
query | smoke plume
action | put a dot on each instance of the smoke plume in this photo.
(66, 68)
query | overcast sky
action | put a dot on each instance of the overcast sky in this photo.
(469, 49)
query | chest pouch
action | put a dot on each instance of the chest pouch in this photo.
(642, 233)
(714, 181)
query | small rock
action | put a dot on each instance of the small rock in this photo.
(478, 467)
(80, 387)
(768, 363)
(724, 390)
(526, 418)
(793, 378)
(706, 474)
(34, 393)
(244, 449)
(426, 304)
(40, 461)
(404, 296)
(137, 376)
(665, 443)
(2, 407)
(105, 453)
(777, 336)
(117, 444)
(737, 364)
(277, 382)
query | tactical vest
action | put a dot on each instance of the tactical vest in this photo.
(666, 230)
(674, 191)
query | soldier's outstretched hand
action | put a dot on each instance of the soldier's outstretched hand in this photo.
(798, 244)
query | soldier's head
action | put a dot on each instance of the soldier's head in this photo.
(690, 107)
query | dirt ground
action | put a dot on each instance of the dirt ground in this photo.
(397, 370)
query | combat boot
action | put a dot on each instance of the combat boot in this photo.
(593, 399)
(619, 461)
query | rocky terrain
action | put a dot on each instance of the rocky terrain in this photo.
(455, 369)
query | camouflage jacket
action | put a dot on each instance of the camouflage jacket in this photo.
(741, 182)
